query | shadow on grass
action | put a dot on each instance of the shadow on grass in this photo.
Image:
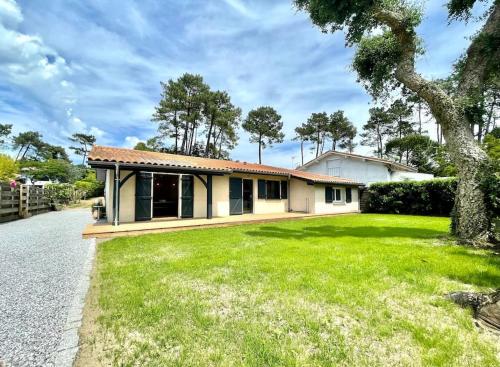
(476, 276)
(338, 231)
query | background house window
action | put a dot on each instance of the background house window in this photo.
(334, 171)
(348, 195)
(328, 194)
(338, 195)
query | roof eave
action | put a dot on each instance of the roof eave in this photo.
(156, 167)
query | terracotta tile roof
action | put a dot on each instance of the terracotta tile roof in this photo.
(400, 166)
(130, 156)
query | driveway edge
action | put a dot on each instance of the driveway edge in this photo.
(69, 343)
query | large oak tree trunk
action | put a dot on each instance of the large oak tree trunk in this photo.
(472, 223)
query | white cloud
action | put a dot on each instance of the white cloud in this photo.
(131, 141)
(10, 13)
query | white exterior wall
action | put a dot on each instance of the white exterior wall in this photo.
(410, 176)
(262, 206)
(200, 198)
(127, 197)
(355, 169)
(108, 195)
(322, 207)
(302, 196)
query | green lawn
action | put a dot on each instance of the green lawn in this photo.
(356, 290)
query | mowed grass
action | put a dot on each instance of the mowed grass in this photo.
(354, 290)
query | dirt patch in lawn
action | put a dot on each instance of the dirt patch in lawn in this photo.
(91, 341)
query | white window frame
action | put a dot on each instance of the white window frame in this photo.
(335, 201)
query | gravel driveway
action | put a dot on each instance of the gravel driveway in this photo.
(42, 261)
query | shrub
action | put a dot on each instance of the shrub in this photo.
(433, 197)
(90, 186)
(8, 168)
(62, 193)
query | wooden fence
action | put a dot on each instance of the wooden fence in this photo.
(21, 202)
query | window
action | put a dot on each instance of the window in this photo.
(284, 190)
(328, 194)
(348, 195)
(333, 195)
(338, 195)
(272, 189)
(261, 194)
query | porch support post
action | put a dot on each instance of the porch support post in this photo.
(209, 196)
(116, 201)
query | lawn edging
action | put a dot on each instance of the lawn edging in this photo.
(69, 343)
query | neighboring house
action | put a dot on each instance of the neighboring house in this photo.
(359, 168)
(159, 185)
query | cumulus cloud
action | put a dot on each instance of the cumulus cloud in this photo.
(70, 66)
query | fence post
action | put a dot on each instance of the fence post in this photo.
(21, 189)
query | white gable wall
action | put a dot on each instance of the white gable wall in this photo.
(366, 172)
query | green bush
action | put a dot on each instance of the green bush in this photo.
(433, 197)
(8, 168)
(90, 186)
(63, 193)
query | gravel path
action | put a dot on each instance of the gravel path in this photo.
(41, 262)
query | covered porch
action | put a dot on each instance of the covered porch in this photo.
(153, 200)
(106, 230)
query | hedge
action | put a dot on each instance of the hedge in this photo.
(432, 197)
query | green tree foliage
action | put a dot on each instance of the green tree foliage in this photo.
(8, 168)
(5, 131)
(89, 185)
(377, 129)
(187, 105)
(264, 125)
(340, 131)
(143, 146)
(492, 144)
(317, 124)
(58, 170)
(385, 32)
(303, 133)
(27, 142)
(84, 141)
(418, 151)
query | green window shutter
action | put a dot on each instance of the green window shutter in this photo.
(348, 195)
(187, 196)
(261, 189)
(284, 190)
(143, 196)
(328, 195)
(235, 196)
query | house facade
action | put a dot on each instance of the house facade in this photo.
(363, 169)
(142, 186)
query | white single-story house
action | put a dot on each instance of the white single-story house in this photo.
(142, 186)
(363, 169)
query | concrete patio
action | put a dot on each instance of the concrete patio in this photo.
(107, 230)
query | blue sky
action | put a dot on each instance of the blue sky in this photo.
(96, 66)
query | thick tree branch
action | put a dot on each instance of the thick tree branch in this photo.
(405, 70)
(477, 62)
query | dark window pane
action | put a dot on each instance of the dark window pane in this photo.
(284, 190)
(273, 189)
(261, 189)
(338, 196)
(348, 195)
(328, 194)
